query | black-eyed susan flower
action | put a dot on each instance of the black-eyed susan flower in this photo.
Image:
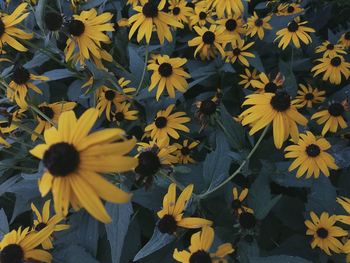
(201, 16)
(332, 117)
(307, 96)
(73, 160)
(237, 202)
(257, 25)
(209, 39)
(266, 108)
(345, 40)
(325, 233)
(168, 73)
(180, 10)
(310, 154)
(198, 251)
(183, 151)
(53, 112)
(295, 32)
(233, 26)
(152, 157)
(20, 83)
(43, 220)
(9, 33)
(206, 110)
(330, 50)
(227, 7)
(267, 84)
(76, 3)
(22, 245)
(149, 16)
(247, 220)
(123, 113)
(167, 125)
(239, 52)
(248, 77)
(333, 69)
(345, 203)
(8, 125)
(171, 215)
(53, 22)
(87, 31)
(287, 9)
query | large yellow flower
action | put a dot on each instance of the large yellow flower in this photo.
(257, 25)
(8, 30)
(171, 215)
(310, 156)
(87, 31)
(168, 73)
(273, 108)
(180, 10)
(227, 7)
(151, 16)
(73, 159)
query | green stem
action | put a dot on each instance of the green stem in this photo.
(144, 72)
(27, 130)
(202, 196)
(173, 180)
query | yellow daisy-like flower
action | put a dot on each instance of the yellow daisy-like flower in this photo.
(73, 159)
(237, 203)
(345, 203)
(333, 68)
(266, 108)
(75, 3)
(151, 16)
(265, 84)
(87, 31)
(168, 74)
(248, 77)
(201, 16)
(257, 25)
(171, 215)
(239, 52)
(295, 31)
(332, 117)
(7, 125)
(287, 9)
(52, 111)
(22, 245)
(208, 39)
(325, 233)
(233, 26)
(166, 124)
(43, 220)
(136, 2)
(124, 113)
(228, 7)
(307, 96)
(198, 251)
(19, 85)
(180, 10)
(310, 156)
(9, 33)
(184, 150)
(345, 40)
(330, 50)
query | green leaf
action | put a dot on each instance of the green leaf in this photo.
(57, 74)
(4, 225)
(73, 254)
(40, 13)
(290, 82)
(278, 259)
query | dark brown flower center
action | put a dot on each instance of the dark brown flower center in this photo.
(165, 69)
(313, 150)
(200, 256)
(236, 204)
(20, 75)
(330, 46)
(202, 15)
(61, 159)
(47, 111)
(322, 233)
(12, 253)
(259, 22)
(309, 96)
(293, 27)
(185, 151)
(149, 163)
(347, 35)
(40, 226)
(53, 21)
(208, 107)
(76, 27)
(336, 61)
(290, 9)
(231, 25)
(247, 220)
(167, 225)
(150, 9)
(119, 116)
(208, 37)
(281, 101)
(110, 95)
(176, 10)
(161, 122)
(271, 87)
(2, 28)
(336, 109)
(236, 51)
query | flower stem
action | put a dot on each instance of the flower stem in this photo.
(143, 72)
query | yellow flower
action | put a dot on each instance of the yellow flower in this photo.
(307, 95)
(295, 31)
(345, 203)
(345, 40)
(8, 30)
(265, 84)
(257, 25)
(171, 215)
(73, 159)
(239, 52)
(233, 25)
(237, 203)
(201, 243)
(184, 150)
(168, 73)
(330, 50)
(151, 16)
(43, 220)
(21, 245)
(180, 10)
(325, 233)
(333, 69)
(310, 156)
(52, 111)
(123, 113)
(19, 85)
(228, 7)
(266, 108)
(8, 125)
(201, 16)
(87, 32)
(248, 77)
(287, 9)
(166, 124)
